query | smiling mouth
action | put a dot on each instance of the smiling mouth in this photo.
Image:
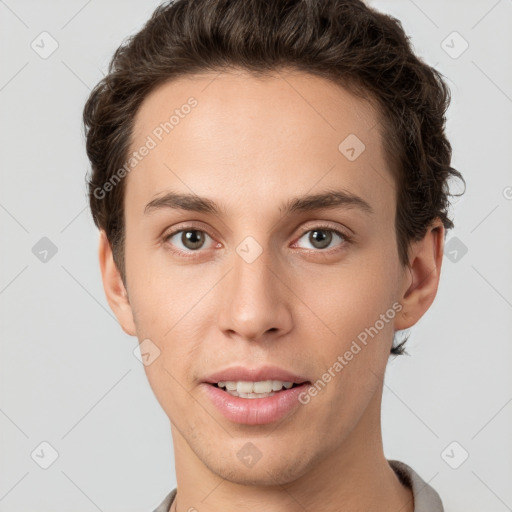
(260, 389)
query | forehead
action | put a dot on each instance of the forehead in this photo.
(265, 136)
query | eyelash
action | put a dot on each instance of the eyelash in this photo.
(188, 254)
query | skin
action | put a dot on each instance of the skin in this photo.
(250, 145)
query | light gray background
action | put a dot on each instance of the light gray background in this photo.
(68, 373)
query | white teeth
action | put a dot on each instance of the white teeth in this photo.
(255, 395)
(276, 385)
(259, 389)
(244, 387)
(264, 386)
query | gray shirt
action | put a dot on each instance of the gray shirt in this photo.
(426, 498)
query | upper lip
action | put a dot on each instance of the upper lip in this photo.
(241, 373)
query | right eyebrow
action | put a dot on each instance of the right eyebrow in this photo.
(179, 201)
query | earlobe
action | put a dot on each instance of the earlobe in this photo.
(113, 285)
(421, 278)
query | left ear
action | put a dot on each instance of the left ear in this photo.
(421, 278)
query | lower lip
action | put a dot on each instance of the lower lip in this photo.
(255, 411)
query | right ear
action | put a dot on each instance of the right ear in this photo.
(115, 291)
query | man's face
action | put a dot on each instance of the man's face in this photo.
(256, 285)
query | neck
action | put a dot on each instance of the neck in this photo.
(354, 475)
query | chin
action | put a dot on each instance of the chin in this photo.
(276, 470)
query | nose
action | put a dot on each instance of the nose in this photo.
(255, 302)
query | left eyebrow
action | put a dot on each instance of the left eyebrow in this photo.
(325, 200)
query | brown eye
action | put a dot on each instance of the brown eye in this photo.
(192, 239)
(187, 240)
(321, 238)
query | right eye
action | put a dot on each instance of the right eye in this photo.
(191, 239)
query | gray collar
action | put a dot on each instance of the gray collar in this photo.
(426, 498)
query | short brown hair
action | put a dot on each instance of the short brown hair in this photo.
(344, 41)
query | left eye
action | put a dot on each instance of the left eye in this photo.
(321, 238)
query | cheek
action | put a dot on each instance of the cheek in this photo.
(173, 309)
(158, 294)
(353, 320)
(344, 299)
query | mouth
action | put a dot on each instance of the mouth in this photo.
(255, 402)
(255, 396)
(254, 390)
